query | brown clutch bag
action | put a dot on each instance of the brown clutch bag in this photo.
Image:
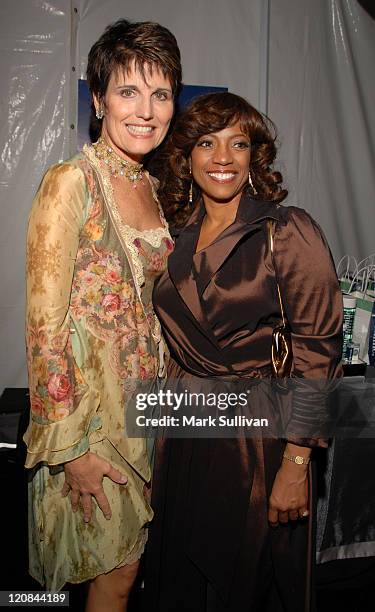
(281, 352)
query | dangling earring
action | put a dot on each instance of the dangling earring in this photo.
(191, 185)
(99, 113)
(251, 184)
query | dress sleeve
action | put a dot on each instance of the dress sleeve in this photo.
(312, 302)
(62, 405)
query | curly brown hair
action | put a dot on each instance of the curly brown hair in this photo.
(205, 115)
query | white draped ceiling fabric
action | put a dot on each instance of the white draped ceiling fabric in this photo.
(308, 64)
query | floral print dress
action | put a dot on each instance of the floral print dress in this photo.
(91, 335)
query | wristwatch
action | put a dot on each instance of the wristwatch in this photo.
(297, 459)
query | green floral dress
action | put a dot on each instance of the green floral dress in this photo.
(91, 335)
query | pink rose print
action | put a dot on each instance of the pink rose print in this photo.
(112, 277)
(90, 279)
(37, 406)
(169, 244)
(111, 302)
(137, 243)
(156, 261)
(59, 387)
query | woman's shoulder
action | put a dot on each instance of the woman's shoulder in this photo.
(299, 228)
(293, 213)
(298, 219)
(68, 175)
(68, 169)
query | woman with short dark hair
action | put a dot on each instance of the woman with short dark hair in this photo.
(233, 525)
(97, 240)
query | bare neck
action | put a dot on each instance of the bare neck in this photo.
(220, 214)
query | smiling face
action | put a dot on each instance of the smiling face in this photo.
(137, 112)
(220, 164)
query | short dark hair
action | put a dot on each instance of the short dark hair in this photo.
(205, 115)
(124, 44)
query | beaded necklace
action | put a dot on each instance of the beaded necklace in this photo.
(117, 165)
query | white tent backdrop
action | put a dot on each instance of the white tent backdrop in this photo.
(311, 63)
(34, 130)
(219, 40)
(321, 97)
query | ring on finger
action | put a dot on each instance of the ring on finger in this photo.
(303, 513)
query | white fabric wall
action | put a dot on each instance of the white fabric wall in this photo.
(34, 73)
(315, 76)
(321, 97)
(41, 41)
(219, 40)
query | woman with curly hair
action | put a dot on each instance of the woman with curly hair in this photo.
(233, 516)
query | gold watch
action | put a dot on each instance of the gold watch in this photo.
(297, 459)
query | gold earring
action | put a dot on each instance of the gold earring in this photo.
(191, 185)
(251, 184)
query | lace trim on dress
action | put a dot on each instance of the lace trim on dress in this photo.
(153, 236)
(138, 549)
(128, 234)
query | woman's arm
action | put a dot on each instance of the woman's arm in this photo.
(63, 406)
(60, 398)
(289, 496)
(313, 305)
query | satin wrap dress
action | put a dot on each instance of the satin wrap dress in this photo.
(91, 336)
(211, 548)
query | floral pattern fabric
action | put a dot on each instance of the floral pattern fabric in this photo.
(91, 330)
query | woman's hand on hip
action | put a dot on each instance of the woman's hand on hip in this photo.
(289, 496)
(84, 479)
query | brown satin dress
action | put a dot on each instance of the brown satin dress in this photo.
(211, 548)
